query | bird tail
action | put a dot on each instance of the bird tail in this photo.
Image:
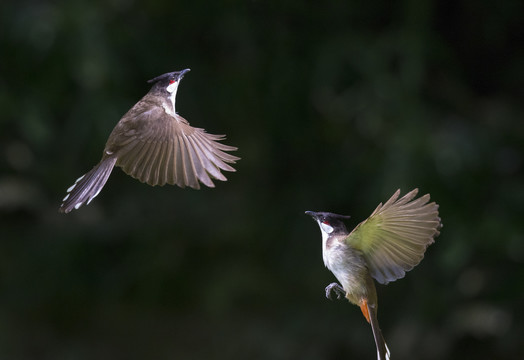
(87, 186)
(370, 312)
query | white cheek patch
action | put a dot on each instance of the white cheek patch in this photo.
(173, 87)
(326, 228)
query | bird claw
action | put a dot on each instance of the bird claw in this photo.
(334, 287)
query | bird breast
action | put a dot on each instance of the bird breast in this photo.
(347, 264)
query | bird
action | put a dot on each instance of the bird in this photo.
(157, 146)
(383, 247)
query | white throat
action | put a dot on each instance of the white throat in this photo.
(326, 230)
(172, 89)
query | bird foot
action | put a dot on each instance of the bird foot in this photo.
(334, 287)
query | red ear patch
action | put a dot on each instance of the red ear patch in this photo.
(171, 82)
(325, 222)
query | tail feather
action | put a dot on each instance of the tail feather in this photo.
(88, 186)
(382, 349)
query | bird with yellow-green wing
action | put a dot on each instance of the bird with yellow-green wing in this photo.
(382, 247)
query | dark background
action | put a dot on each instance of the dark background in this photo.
(333, 105)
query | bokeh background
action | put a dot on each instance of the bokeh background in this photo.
(333, 106)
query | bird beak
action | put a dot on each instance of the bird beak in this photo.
(181, 73)
(312, 214)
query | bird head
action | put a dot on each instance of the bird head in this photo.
(166, 86)
(168, 81)
(329, 223)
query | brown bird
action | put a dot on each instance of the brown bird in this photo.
(155, 145)
(382, 247)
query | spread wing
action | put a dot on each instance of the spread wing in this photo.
(157, 148)
(394, 238)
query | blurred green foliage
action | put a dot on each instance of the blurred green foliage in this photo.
(333, 105)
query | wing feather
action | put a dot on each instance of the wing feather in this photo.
(207, 166)
(190, 177)
(143, 168)
(394, 238)
(198, 163)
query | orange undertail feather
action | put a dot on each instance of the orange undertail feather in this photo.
(364, 308)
